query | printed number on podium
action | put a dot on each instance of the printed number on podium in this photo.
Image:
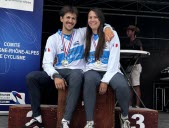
(140, 121)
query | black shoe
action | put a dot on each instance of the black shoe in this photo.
(33, 123)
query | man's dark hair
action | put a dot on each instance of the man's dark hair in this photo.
(133, 28)
(68, 9)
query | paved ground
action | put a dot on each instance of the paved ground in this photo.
(3, 121)
(163, 120)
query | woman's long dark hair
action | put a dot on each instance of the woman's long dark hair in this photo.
(89, 33)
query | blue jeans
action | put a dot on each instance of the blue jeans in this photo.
(118, 82)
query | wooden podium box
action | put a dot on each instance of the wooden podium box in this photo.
(20, 114)
(139, 118)
(104, 110)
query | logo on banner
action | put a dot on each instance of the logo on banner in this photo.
(18, 98)
(13, 97)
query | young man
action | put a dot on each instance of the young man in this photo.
(134, 44)
(66, 46)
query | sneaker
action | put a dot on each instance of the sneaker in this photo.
(65, 124)
(33, 123)
(125, 123)
(90, 124)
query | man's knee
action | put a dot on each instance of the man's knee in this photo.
(31, 75)
(75, 79)
(35, 76)
(76, 74)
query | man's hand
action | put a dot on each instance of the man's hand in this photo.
(60, 83)
(108, 34)
(103, 88)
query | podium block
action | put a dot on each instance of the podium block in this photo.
(20, 114)
(104, 110)
(139, 118)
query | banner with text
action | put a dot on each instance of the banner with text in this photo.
(20, 45)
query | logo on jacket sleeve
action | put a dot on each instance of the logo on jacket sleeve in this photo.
(115, 45)
(47, 50)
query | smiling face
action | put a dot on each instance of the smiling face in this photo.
(69, 21)
(93, 21)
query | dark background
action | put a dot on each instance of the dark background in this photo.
(151, 16)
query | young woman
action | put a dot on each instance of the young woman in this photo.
(102, 69)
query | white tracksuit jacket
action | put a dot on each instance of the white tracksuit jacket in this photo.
(110, 59)
(55, 49)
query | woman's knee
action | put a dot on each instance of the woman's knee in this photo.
(92, 76)
(119, 81)
(91, 80)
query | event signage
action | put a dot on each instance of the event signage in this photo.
(25, 5)
(20, 45)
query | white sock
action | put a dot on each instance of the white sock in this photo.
(90, 122)
(39, 118)
(124, 117)
(63, 120)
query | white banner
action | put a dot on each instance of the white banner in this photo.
(25, 5)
